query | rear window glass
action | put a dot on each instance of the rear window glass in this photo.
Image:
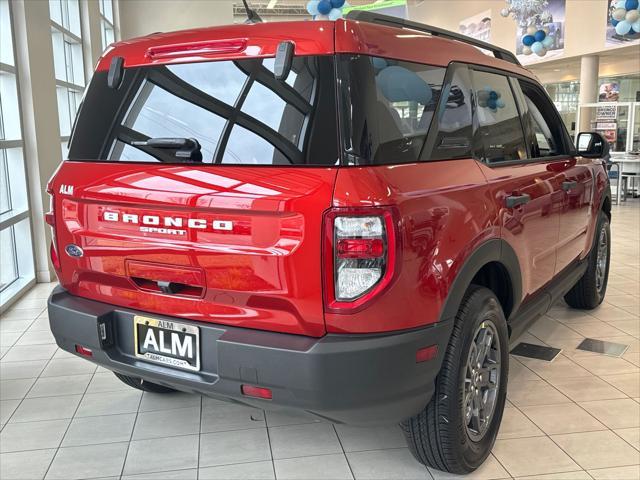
(387, 107)
(236, 110)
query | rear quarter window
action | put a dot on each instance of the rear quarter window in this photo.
(236, 110)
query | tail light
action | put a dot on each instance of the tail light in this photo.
(360, 256)
(50, 218)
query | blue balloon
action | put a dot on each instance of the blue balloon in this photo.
(631, 4)
(623, 27)
(324, 7)
(537, 47)
(539, 35)
(614, 22)
(636, 26)
(500, 103)
(492, 103)
(493, 95)
(621, 3)
(379, 63)
(335, 14)
(337, 3)
(547, 42)
(312, 7)
(528, 40)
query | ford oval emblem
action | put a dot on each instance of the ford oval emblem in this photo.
(74, 250)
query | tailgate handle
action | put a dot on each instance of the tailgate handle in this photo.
(168, 288)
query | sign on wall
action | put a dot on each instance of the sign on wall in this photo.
(478, 26)
(555, 11)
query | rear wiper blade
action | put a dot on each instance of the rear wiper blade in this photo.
(185, 148)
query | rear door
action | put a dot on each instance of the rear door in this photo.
(229, 234)
(550, 141)
(525, 189)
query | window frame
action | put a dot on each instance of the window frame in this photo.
(527, 160)
(18, 215)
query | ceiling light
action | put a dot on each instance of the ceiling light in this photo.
(271, 4)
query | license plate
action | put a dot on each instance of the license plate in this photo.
(169, 343)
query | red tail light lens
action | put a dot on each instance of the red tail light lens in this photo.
(84, 351)
(360, 254)
(208, 47)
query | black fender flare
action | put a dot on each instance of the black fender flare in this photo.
(493, 250)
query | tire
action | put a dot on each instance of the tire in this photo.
(590, 290)
(441, 436)
(143, 385)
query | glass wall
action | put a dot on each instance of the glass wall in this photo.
(107, 23)
(66, 35)
(16, 251)
(610, 89)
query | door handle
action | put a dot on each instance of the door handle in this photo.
(515, 200)
(570, 185)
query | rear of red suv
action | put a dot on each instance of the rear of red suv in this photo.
(197, 240)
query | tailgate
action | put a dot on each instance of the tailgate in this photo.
(231, 245)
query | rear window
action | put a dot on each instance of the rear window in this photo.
(236, 110)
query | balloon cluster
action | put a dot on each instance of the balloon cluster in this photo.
(325, 9)
(625, 17)
(536, 40)
(489, 98)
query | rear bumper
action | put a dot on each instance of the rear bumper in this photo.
(357, 379)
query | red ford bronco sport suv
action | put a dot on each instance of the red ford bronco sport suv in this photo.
(351, 219)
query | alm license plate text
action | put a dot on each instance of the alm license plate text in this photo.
(169, 343)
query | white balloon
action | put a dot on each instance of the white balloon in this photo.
(504, 12)
(619, 14)
(526, 50)
(542, 52)
(531, 30)
(632, 16)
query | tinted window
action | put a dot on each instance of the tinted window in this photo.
(546, 137)
(387, 107)
(451, 133)
(236, 110)
(499, 124)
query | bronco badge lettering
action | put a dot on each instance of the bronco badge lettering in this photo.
(168, 225)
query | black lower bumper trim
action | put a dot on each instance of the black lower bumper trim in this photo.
(357, 379)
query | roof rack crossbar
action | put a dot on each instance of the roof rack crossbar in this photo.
(371, 17)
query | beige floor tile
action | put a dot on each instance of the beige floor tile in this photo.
(605, 365)
(587, 388)
(516, 425)
(579, 475)
(535, 392)
(616, 473)
(518, 372)
(565, 418)
(631, 326)
(619, 413)
(522, 456)
(596, 329)
(629, 383)
(631, 436)
(547, 329)
(560, 367)
(597, 449)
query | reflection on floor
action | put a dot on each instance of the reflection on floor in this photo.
(577, 417)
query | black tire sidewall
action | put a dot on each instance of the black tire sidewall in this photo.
(603, 221)
(481, 305)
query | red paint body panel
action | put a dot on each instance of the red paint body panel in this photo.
(264, 274)
(446, 213)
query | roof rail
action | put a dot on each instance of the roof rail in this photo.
(371, 17)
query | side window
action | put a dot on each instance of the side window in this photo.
(546, 128)
(451, 133)
(500, 127)
(387, 107)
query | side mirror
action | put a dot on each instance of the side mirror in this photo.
(592, 145)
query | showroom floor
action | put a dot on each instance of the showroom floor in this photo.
(577, 417)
